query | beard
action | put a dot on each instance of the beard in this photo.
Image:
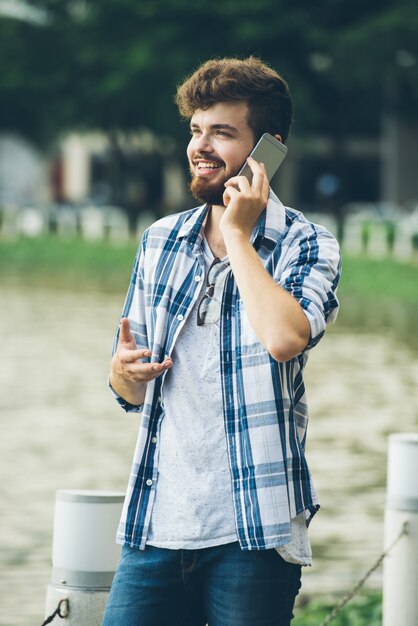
(206, 191)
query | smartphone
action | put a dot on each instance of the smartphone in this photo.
(268, 150)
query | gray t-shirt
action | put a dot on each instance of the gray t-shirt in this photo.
(193, 505)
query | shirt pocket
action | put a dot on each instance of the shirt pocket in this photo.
(211, 367)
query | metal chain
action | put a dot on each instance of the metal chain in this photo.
(350, 595)
(61, 610)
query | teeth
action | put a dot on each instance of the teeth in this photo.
(207, 165)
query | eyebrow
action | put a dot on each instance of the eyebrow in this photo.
(217, 127)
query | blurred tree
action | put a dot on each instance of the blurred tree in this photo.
(33, 83)
(114, 65)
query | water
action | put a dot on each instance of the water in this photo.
(62, 429)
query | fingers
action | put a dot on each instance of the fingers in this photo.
(125, 365)
(241, 182)
(125, 335)
(131, 356)
(259, 175)
(238, 188)
(144, 372)
(161, 367)
(229, 194)
(266, 185)
(258, 181)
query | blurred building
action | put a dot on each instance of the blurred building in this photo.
(23, 172)
(137, 172)
(142, 172)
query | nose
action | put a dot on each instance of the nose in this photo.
(202, 143)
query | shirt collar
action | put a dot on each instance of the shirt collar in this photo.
(270, 225)
(272, 221)
(192, 227)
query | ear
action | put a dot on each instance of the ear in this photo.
(279, 137)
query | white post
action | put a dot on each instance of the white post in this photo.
(77, 165)
(400, 571)
(84, 554)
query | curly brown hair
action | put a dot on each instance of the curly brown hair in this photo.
(251, 80)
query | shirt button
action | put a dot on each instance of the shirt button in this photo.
(198, 279)
(149, 482)
(154, 440)
(180, 317)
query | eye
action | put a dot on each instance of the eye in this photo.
(223, 133)
(195, 131)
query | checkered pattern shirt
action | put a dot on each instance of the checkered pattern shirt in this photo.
(264, 402)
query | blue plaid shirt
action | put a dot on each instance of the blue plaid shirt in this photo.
(264, 402)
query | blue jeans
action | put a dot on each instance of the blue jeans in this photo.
(222, 586)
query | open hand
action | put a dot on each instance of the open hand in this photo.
(126, 363)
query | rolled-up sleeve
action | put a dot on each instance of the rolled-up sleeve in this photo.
(134, 310)
(311, 272)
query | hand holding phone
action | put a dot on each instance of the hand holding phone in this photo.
(268, 150)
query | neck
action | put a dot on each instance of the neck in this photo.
(213, 233)
(214, 218)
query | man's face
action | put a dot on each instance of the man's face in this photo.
(221, 141)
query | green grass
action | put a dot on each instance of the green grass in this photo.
(67, 263)
(384, 278)
(75, 263)
(363, 611)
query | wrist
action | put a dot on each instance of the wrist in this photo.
(131, 391)
(233, 233)
(121, 381)
(116, 381)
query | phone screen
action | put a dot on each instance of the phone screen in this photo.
(268, 150)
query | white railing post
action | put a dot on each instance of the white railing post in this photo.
(84, 553)
(400, 571)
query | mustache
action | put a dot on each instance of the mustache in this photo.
(208, 157)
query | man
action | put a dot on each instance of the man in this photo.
(225, 302)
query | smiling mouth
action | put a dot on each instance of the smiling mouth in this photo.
(205, 166)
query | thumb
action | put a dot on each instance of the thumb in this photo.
(125, 335)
